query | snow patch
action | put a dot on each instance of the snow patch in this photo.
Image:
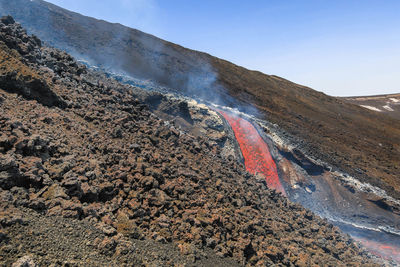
(388, 108)
(395, 100)
(371, 108)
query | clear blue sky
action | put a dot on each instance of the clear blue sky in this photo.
(340, 47)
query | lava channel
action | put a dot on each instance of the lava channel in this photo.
(386, 251)
(257, 158)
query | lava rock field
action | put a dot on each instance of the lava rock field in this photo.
(81, 154)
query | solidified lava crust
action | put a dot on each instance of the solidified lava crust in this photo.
(257, 157)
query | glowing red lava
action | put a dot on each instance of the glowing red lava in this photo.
(257, 157)
(386, 251)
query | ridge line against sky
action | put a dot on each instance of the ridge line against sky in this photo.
(341, 47)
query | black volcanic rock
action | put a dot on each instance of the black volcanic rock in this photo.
(15, 75)
(6, 20)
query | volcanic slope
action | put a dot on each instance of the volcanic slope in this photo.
(355, 140)
(89, 176)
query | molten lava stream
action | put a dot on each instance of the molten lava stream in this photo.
(257, 157)
(386, 251)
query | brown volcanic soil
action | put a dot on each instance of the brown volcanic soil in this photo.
(88, 175)
(355, 140)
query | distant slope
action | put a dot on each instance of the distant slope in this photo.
(359, 141)
(388, 104)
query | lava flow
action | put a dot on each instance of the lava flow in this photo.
(386, 251)
(258, 160)
(257, 157)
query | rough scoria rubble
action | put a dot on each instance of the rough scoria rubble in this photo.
(88, 176)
